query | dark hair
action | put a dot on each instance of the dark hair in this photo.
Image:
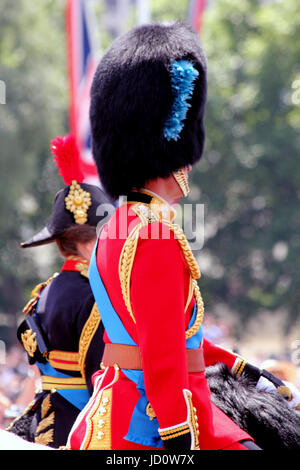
(67, 241)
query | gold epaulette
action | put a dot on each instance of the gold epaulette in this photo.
(82, 264)
(148, 216)
(35, 295)
(83, 269)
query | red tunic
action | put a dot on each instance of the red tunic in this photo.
(159, 289)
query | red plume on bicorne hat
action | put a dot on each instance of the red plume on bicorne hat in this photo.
(67, 158)
(77, 202)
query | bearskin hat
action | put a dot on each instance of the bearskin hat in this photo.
(147, 106)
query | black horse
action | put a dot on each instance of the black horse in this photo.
(265, 416)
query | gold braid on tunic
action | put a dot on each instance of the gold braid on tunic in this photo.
(148, 216)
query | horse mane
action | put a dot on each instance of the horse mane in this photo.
(265, 416)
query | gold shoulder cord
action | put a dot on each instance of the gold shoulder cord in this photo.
(86, 337)
(126, 263)
(127, 258)
(195, 274)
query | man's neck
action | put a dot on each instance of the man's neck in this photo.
(163, 190)
(156, 195)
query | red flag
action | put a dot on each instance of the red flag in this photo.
(82, 63)
(196, 9)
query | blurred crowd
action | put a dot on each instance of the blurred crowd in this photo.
(19, 380)
(278, 363)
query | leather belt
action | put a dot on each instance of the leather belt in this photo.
(129, 357)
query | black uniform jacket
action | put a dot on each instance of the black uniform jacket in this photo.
(62, 333)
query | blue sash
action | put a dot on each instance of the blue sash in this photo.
(77, 397)
(142, 430)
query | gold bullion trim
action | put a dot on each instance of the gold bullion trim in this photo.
(45, 438)
(150, 412)
(87, 335)
(45, 423)
(192, 418)
(78, 202)
(57, 383)
(182, 180)
(46, 405)
(128, 254)
(73, 357)
(99, 425)
(83, 268)
(125, 265)
(239, 367)
(29, 342)
(174, 432)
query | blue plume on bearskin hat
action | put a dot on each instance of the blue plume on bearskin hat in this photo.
(147, 106)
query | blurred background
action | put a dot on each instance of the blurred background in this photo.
(248, 178)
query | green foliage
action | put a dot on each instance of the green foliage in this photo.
(32, 65)
(249, 175)
(166, 10)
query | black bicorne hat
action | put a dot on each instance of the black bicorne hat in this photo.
(77, 203)
(138, 131)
